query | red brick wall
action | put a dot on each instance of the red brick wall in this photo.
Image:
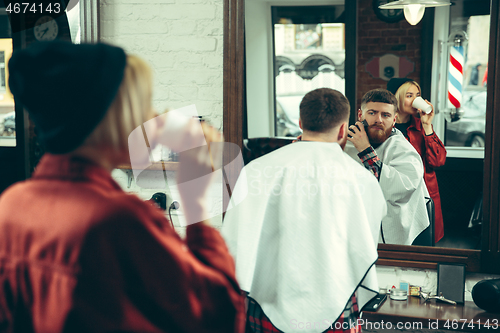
(376, 38)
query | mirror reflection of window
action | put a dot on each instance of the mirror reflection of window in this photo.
(462, 130)
(2, 72)
(466, 126)
(309, 53)
(7, 113)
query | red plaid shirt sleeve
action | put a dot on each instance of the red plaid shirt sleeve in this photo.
(371, 161)
(258, 322)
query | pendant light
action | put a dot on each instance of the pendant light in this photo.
(414, 9)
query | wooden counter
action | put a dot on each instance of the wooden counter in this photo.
(431, 316)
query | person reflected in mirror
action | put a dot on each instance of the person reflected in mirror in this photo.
(474, 75)
(417, 128)
(304, 227)
(484, 82)
(384, 151)
(78, 253)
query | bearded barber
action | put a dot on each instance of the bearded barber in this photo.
(384, 151)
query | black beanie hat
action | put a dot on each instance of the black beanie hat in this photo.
(394, 84)
(66, 88)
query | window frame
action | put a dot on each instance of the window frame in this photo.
(440, 70)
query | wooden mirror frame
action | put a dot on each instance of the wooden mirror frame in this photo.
(486, 260)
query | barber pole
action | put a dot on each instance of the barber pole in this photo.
(455, 76)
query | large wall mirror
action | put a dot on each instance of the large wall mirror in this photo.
(292, 58)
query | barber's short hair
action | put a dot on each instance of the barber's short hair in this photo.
(401, 93)
(323, 109)
(379, 96)
(130, 108)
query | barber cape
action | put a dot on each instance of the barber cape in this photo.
(402, 181)
(303, 225)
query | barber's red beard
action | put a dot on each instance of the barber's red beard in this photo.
(377, 134)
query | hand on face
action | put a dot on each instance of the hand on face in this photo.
(358, 136)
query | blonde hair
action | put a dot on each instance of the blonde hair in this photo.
(401, 93)
(130, 108)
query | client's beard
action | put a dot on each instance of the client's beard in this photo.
(376, 136)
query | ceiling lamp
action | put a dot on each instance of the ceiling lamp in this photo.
(414, 9)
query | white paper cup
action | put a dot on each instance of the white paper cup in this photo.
(419, 103)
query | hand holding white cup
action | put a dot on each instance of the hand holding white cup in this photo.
(420, 103)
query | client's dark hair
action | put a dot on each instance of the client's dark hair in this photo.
(323, 109)
(379, 96)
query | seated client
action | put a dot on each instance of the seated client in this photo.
(303, 225)
(384, 151)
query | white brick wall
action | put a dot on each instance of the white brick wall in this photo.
(182, 40)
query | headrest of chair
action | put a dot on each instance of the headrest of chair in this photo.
(257, 147)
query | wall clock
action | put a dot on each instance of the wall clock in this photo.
(45, 29)
(387, 15)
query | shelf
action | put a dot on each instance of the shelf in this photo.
(156, 166)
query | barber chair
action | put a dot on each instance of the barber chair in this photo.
(476, 221)
(257, 147)
(426, 237)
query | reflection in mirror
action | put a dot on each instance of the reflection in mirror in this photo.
(305, 49)
(469, 34)
(7, 113)
(462, 175)
(291, 49)
(309, 53)
(461, 96)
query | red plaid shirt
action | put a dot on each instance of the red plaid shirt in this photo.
(371, 161)
(257, 321)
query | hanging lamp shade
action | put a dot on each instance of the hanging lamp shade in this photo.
(400, 4)
(414, 9)
(414, 13)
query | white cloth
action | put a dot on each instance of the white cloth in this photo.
(303, 227)
(402, 181)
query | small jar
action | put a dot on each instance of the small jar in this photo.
(399, 294)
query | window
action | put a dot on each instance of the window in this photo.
(7, 113)
(309, 53)
(290, 50)
(460, 80)
(461, 45)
